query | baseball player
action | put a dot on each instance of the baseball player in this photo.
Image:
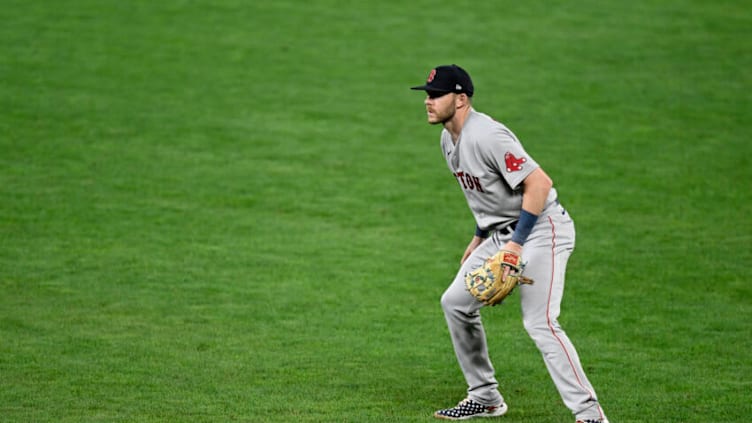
(517, 209)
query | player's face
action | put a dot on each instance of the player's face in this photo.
(440, 107)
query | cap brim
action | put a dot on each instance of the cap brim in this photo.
(427, 88)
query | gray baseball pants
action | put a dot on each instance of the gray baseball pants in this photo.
(546, 253)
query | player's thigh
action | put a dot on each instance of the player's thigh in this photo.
(456, 295)
(546, 257)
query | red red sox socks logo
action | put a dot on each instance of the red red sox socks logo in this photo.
(513, 163)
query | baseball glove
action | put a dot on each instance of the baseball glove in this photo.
(496, 278)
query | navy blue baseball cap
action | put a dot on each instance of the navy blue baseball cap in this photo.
(448, 79)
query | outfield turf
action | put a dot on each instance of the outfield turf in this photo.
(235, 211)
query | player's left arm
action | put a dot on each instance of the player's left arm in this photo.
(535, 189)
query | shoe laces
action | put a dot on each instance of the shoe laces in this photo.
(464, 401)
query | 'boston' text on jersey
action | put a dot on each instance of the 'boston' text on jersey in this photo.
(469, 181)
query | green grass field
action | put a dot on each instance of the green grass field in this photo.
(235, 211)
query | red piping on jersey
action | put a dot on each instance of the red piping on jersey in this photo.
(548, 311)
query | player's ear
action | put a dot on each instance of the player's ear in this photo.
(463, 100)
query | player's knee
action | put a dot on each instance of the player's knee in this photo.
(446, 302)
(449, 302)
(539, 329)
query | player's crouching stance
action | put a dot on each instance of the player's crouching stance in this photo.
(517, 210)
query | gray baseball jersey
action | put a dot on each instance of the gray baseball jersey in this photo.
(490, 165)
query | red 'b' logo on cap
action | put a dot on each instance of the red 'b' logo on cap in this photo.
(431, 76)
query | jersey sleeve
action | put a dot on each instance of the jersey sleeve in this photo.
(504, 153)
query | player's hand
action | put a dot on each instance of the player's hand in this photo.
(513, 247)
(474, 243)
